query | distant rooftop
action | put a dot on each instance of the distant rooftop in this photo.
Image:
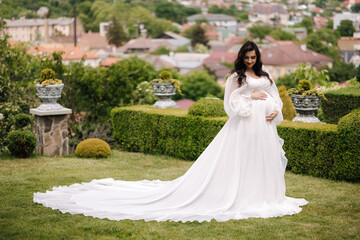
(37, 22)
(210, 17)
(268, 8)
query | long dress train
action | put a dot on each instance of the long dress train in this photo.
(239, 175)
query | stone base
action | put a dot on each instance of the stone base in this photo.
(51, 134)
(165, 104)
(306, 118)
(41, 112)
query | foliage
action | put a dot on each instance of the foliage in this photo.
(198, 36)
(22, 120)
(116, 35)
(279, 34)
(341, 71)
(174, 11)
(201, 48)
(324, 41)
(161, 51)
(305, 88)
(198, 84)
(355, 8)
(47, 77)
(348, 164)
(340, 102)
(166, 77)
(183, 48)
(258, 31)
(93, 148)
(144, 94)
(304, 71)
(358, 73)
(308, 23)
(288, 109)
(21, 143)
(346, 28)
(208, 107)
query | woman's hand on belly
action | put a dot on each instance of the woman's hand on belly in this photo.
(258, 95)
(272, 115)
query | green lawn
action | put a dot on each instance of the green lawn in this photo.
(333, 211)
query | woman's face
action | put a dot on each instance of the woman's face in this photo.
(250, 59)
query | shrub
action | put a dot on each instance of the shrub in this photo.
(93, 147)
(288, 109)
(21, 143)
(340, 102)
(312, 149)
(347, 166)
(208, 107)
(22, 120)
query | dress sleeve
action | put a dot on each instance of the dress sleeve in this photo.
(274, 93)
(236, 102)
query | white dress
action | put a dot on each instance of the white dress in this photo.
(239, 175)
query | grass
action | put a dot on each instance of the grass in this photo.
(333, 211)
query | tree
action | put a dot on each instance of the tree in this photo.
(198, 36)
(314, 42)
(198, 84)
(279, 34)
(259, 31)
(346, 28)
(308, 23)
(116, 34)
(356, 8)
(341, 71)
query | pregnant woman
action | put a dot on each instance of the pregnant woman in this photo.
(239, 175)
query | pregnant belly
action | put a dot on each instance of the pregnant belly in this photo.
(266, 106)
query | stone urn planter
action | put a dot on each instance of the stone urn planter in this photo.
(164, 91)
(305, 107)
(306, 100)
(164, 88)
(49, 96)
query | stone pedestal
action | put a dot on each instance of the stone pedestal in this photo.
(51, 131)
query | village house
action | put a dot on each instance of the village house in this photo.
(26, 30)
(70, 54)
(350, 48)
(270, 13)
(285, 57)
(219, 20)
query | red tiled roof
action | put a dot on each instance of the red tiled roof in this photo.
(285, 54)
(70, 53)
(107, 62)
(219, 57)
(234, 41)
(347, 2)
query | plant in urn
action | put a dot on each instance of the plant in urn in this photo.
(164, 88)
(49, 90)
(306, 100)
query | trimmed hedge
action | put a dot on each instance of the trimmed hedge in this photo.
(312, 149)
(340, 102)
(208, 107)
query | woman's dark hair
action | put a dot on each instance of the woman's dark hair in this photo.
(240, 67)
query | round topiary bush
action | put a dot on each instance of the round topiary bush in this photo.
(93, 147)
(208, 107)
(348, 164)
(22, 120)
(21, 143)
